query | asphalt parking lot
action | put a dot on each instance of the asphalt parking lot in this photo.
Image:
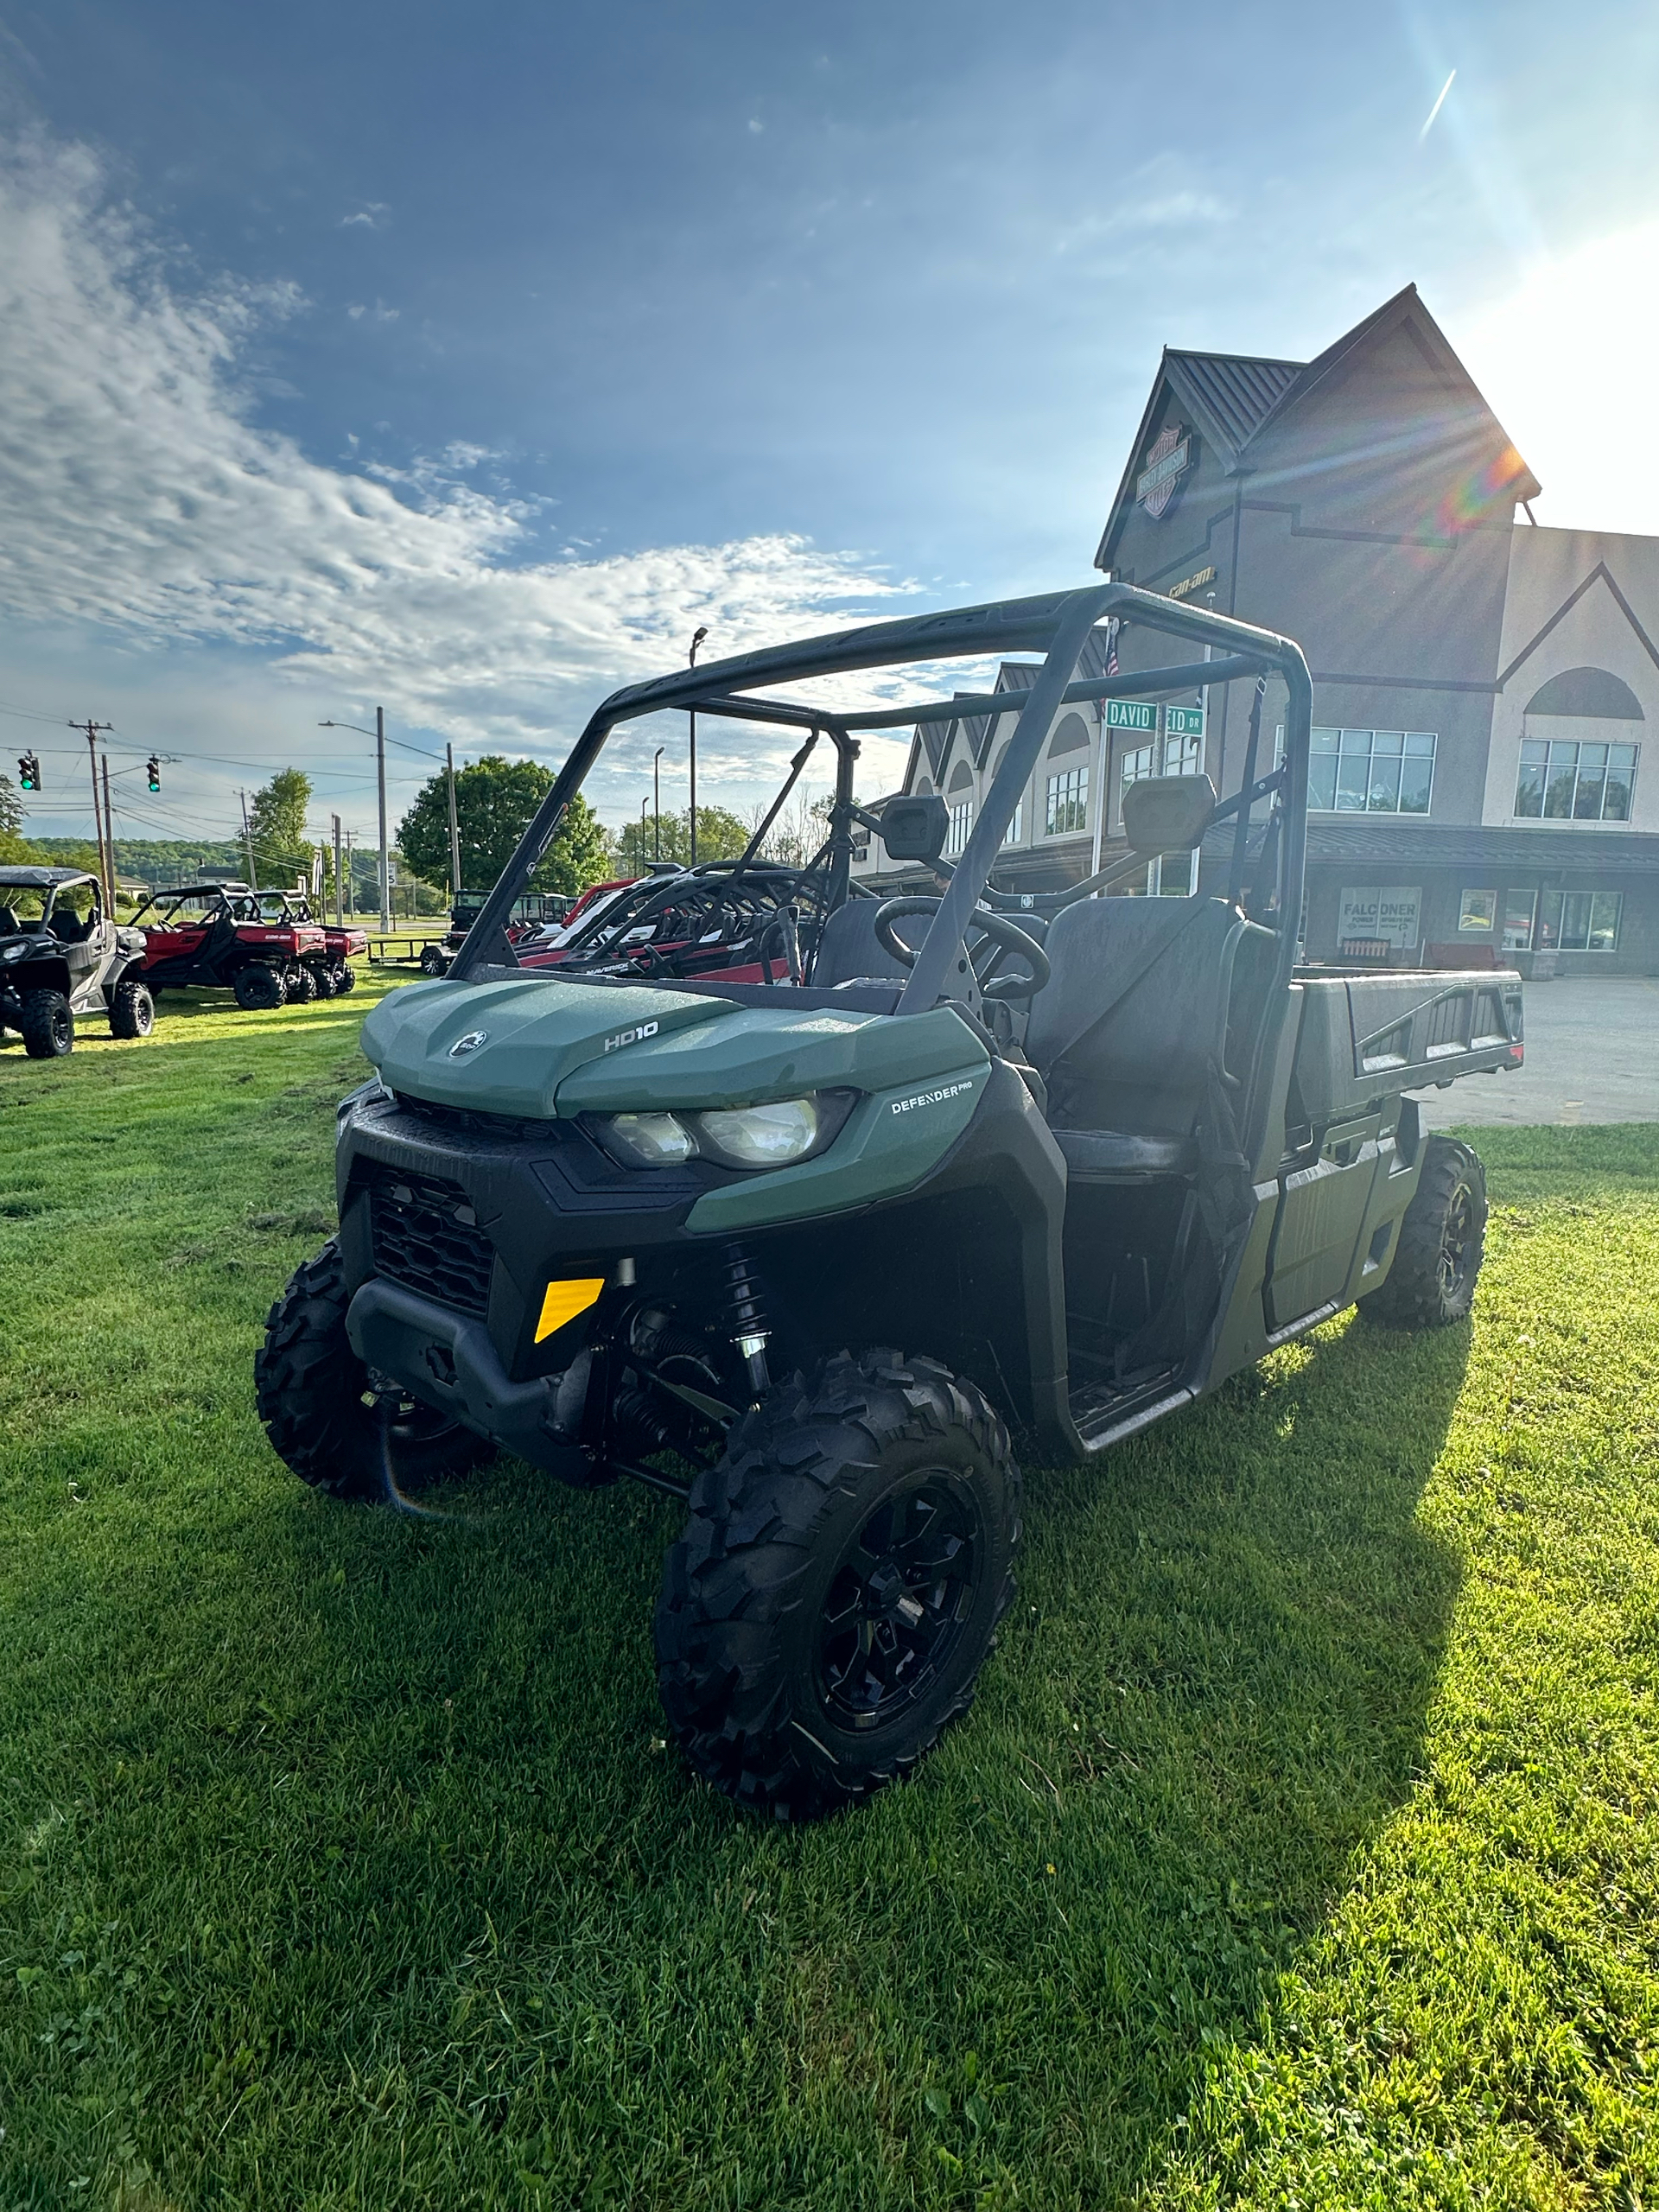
(1593, 1055)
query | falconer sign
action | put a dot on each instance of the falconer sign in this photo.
(1168, 458)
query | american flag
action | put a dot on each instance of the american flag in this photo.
(1111, 649)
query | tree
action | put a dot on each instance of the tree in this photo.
(282, 851)
(720, 836)
(495, 799)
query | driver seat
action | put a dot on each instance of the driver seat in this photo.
(849, 953)
(1133, 1028)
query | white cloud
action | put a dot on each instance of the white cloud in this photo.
(140, 498)
(1542, 356)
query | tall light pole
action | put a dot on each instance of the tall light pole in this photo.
(697, 637)
(379, 733)
(340, 910)
(656, 803)
(454, 824)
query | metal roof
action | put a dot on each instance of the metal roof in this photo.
(41, 879)
(1392, 841)
(1239, 390)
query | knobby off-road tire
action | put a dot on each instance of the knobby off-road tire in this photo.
(323, 977)
(1442, 1239)
(258, 986)
(321, 1414)
(48, 1025)
(301, 985)
(132, 1011)
(839, 1583)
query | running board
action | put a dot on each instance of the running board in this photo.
(1304, 1323)
(1115, 1427)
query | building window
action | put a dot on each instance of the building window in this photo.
(1566, 782)
(1172, 875)
(1016, 828)
(1578, 921)
(1519, 908)
(1371, 771)
(1478, 910)
(1183, 756)
(1068, 801)
(961, 821)
(1136, 765)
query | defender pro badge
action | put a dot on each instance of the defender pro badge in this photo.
(469, 1043)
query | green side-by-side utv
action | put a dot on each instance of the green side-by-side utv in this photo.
(804, 1251)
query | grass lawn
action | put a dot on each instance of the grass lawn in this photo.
(1302, 1849)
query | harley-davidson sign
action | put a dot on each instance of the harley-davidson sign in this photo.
(1168, 458)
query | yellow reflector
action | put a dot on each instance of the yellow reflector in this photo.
(564, 1301)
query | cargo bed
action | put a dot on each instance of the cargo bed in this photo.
(1363, 1037)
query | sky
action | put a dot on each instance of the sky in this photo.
(462, 361)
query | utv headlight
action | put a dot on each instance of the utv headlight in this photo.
(648, 1140)
(14, 952)
(772, 1135)
(761, 1136)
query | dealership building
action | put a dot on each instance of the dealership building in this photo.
(1483, 686)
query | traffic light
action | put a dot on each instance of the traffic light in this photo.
(28, 772)
(155, 773)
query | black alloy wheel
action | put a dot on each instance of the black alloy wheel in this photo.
(1441, 1244)
(900, 1600)
(132, 1010)
(258, 986)
(47, 1024)
(826, 1613)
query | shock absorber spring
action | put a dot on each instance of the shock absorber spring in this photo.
(749, 1317)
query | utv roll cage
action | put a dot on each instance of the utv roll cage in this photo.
(1266, 874)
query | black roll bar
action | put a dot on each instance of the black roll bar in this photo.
(1056, 624)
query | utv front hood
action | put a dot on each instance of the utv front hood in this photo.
(537, 1047)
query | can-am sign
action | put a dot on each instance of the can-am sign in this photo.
(1168, 458)
(1385, 914)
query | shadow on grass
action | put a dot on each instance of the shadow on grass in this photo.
(1008, 1972)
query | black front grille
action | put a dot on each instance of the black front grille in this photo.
(427, 1237)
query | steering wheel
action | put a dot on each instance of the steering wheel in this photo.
(1006, 938)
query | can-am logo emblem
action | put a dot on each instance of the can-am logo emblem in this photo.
(469, 1043)
(629, 1036)
(1168, 457)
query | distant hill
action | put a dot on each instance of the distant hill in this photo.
(158, 861)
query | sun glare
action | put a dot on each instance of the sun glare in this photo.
(1562, 359)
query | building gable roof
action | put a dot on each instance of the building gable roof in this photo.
(1242, 399)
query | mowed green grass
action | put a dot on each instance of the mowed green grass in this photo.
(1302, 1848)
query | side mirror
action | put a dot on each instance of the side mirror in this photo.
(1168, 814)
(915, 828)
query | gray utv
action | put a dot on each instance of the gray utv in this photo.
(61, 956)
(804, 1251)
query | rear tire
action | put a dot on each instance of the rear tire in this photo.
(323, 979)
(321, 1412)
(838, 1587)
(301, 984)
(258, 987)
(345, 980)
(1442, 1242)
(48, 1025)
(132, 1011)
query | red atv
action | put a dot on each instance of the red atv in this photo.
(215, 936)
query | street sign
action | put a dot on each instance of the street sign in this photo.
(1183, 721)
(1131, 713)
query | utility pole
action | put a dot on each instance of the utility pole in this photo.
(351, 887)
(109, 836)
(385, 856)
(657, 804)
(247, 839)
(91, 728)
(697, 637)
(340, 910)
(455, 828)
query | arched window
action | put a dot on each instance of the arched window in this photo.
(962, 777)
(1578, 778)
(1592, 693)
(924, 787)
(1066, 799)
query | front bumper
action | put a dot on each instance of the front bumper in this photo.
(448, 1360)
